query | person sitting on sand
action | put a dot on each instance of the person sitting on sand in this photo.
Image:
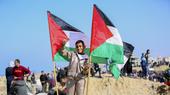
(61, 86)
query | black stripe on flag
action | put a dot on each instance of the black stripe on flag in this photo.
(128, 49)
(105, 18)
(64, 25)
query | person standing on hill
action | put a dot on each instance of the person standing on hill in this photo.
(147, 56)
(127, 69)
(78, 61)
(143, 65)
(19, 72)
(9, 77)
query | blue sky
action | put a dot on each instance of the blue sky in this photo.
(24, 29)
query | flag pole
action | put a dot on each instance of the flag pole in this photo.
(88, 79)
(55, 75)
(54, 63)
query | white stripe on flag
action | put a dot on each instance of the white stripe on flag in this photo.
(120, 66)
(74, 36)
(116, 39)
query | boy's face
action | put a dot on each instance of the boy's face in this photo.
(80, 48)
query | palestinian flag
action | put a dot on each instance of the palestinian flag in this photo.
(106, 42)
(61, 31)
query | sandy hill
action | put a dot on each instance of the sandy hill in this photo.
(110, 86)
(123, 86)
(2, 86)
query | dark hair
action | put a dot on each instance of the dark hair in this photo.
(147, 51)
(17, 60)
(42, 71)
(80, 41)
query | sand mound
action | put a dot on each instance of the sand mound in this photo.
(2, 85)
(123, 86)
(110, 86)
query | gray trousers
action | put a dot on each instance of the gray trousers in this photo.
(20, 87)
(76, 87)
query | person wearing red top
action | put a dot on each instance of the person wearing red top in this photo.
(19, 72)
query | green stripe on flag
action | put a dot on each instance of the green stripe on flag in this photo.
(114, 70)
(110, 51)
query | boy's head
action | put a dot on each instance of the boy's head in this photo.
(80, 46)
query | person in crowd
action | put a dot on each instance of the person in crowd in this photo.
(20, 72)
(147, 57)
(43, 79)
(143, 65)
(97, 69)
(127, 69)
(60, 74)
(62, 87)
(49, 78)
(9, 76)
(52, 81)
(78, 61)
(167, 77)
(33, 78)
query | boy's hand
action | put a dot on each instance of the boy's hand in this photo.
(87, 65)
(64, 42)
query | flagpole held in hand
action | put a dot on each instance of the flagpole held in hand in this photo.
(88, 79)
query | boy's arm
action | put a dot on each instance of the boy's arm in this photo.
(65, 52)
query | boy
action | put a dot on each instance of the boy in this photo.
(78, 59)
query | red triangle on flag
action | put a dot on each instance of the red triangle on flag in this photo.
(57, 35)
(100, 31)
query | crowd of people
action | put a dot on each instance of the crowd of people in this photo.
(147, 71)
(70, 80)
(74, 80)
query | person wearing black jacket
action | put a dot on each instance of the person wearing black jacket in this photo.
(9, 77)
(43, 79)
